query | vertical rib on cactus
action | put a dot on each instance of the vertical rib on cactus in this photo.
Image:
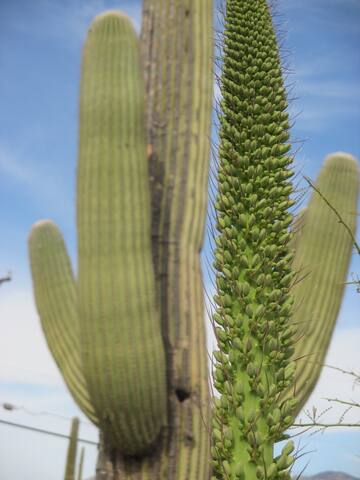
(177, 56)
(322, 257)
(252, 254)
(72, 448)
(55, 296)
(177, 59)
(122, 348)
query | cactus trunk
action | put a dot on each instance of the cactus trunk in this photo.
(177, 61)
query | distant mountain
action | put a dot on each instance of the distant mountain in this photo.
(331, 476)
(318, 476)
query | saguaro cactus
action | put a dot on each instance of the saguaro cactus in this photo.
(322, 256)
(114, 313)
(56, 301)
(116, 284)
(163, 426)
(128, 333)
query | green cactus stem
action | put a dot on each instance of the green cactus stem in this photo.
(72, 448)
(177, 52)
(119, 331)
(322, 257)
(122, 348)
(252, 257)
(177, 56)
(56, 302)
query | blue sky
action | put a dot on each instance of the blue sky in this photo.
(40, 48)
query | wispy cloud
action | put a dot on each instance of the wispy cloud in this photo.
(24, 356)
(325, 91)
(331, 89)
(30, 177)
(68, 20)
(11, 167)
(330, 14)
(343, 353)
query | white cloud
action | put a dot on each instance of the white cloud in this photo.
(24, 356)
(29, 379)
(343, 354)
(34, 178)
(42, 456)
(11, 167)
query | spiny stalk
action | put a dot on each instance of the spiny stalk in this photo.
(252, 256)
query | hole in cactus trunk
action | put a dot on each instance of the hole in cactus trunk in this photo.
(182, 394)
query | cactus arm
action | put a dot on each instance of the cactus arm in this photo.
(322, 256)
(252, 256)
(55, 296)
(122, 347)
(177, 55)
(72, 448)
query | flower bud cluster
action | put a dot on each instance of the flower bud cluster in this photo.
(252, 257)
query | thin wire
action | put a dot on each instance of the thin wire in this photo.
(47, 432)
(11, 407)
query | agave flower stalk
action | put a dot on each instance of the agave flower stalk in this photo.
(252, 257)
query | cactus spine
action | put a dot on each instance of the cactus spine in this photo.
(72, 448)
(322, 257)
(252, 256)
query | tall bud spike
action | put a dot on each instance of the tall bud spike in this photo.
(254, 173)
